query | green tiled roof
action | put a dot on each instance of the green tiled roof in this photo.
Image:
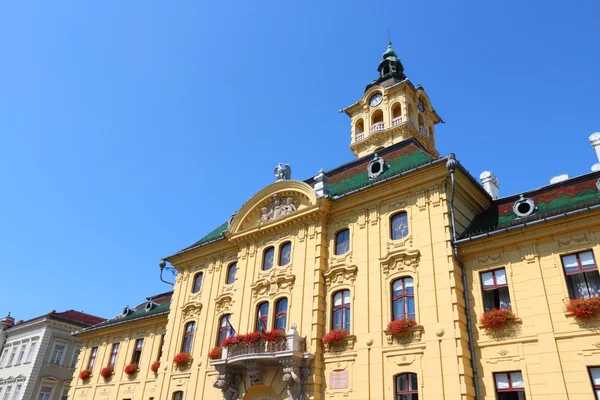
(399, 157)
(549, 200)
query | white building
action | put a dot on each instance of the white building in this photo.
(38, 357)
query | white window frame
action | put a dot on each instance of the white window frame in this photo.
(64, 392)
(42, 388)
(75, 356)
(31, 351)
(11, 358)
(7, 392)
(21, 354)
(17, 391)
(4, 355)
(59, 342)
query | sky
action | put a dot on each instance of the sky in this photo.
(131, 129)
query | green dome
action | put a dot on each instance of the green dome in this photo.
(389, 52)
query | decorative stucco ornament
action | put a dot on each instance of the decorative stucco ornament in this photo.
(278, 208)
(283, 172)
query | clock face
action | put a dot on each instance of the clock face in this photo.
(375, 100)
(421, 106)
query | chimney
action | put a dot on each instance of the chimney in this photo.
(490, 184)
(5, 323)
(559, 178)
(595, 142)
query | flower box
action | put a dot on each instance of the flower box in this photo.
(400, 326)
(182, 359)
(336, 336)
(106, 372)
(252, 337)
(231, 341)
(85, 374)
(496, 318)
(276, 335)
(131, 369)
(155, 366)
(584, 308)
(216, 353)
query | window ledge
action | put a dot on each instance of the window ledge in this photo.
(412, 334)
(347, 344)
(517, 321)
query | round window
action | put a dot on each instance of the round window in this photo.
(524, 207)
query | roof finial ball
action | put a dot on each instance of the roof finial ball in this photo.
(162, 264)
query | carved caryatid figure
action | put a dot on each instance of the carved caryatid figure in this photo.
(292, 380)
(278, 208)
(228, 383)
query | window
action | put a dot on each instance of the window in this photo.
(403, 298)
(231, 270)
(268, 258)
(399, 226)
(197, 282)
(509, 386)
(113, 354)
(75, 357)
(93, 355)
(7, 393)
(285, 254)
(137, 352)
(45, 393)
(17, 392)
(406, 387)
(581, 271)
(4, 354)
(342, 242)
(160, 347)
(57, 354)
(595, 376)
(495, 289)
(188, 337)
(31, 351)
(178, 395)
(262, 317)
(341, 310)
(224, 329)
(21, 354)
(281, 314)
(12, 356)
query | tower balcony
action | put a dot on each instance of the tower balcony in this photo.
(377, 126)
(396, 121)
(288, 353)
(423, 131)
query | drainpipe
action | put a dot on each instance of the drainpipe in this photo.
(451, 165)
(162, 265)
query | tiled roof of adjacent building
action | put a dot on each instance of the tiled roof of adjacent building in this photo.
(551, 200)
(154, 306)
(352, 176)
(72, 317)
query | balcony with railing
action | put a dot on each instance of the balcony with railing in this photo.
(359, 136)
(396, 121)
(423, 131)
(377, 126)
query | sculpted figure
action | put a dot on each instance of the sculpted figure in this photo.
(293, 382)
(282, 172)
(289, 206)
(277, 207)
(226, 383)
(265, 215)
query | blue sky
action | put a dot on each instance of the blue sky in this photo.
(130, 129)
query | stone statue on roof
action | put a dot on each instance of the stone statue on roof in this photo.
(283, 172)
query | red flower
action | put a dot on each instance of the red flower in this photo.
(85, 374)
(106, 372)
(215, 354)
(252, 337)
(230, 341)
(336, 336)
(182, 358)
(155, 366)
(401, 325)
(496, 318)
(131, 369)
(276, 335)
(584, 308)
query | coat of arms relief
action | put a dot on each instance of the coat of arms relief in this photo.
(278, 208)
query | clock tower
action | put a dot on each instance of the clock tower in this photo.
(391, 110)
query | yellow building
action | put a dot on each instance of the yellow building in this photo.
(394, 276)
(130, 342)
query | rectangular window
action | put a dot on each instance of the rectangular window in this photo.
(17, 392)
(160, 347)
(92, 361)
(581, 272)
(113, 354)
(21, 353)
(595, 376)
(137, 352)
(57, 354)
(31, 351)
(45, 393)
(12, 356)
(495, 289)
(7, 393)
(4, 355)
(75, 357)
(509, 386)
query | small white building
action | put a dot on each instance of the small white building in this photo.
(38, 357)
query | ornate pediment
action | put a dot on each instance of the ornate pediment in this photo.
(223, 302)
(275, 283)
(341, 273)
(191, 310)
(402, 260)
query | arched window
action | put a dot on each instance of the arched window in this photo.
(197, 282)
(268, 258)
(403, 298)
(411, 114)
(377, 121)
(396, 114)
(341, 310)
(285, 254)
(342, 242)
(188, 337)
(399, 225)
(262, 317)
(359, 129)
(422, 130)
(281, 314)
(231, 270)
(224, 329)
(430, 132)
(178, 395)
(406, 388)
